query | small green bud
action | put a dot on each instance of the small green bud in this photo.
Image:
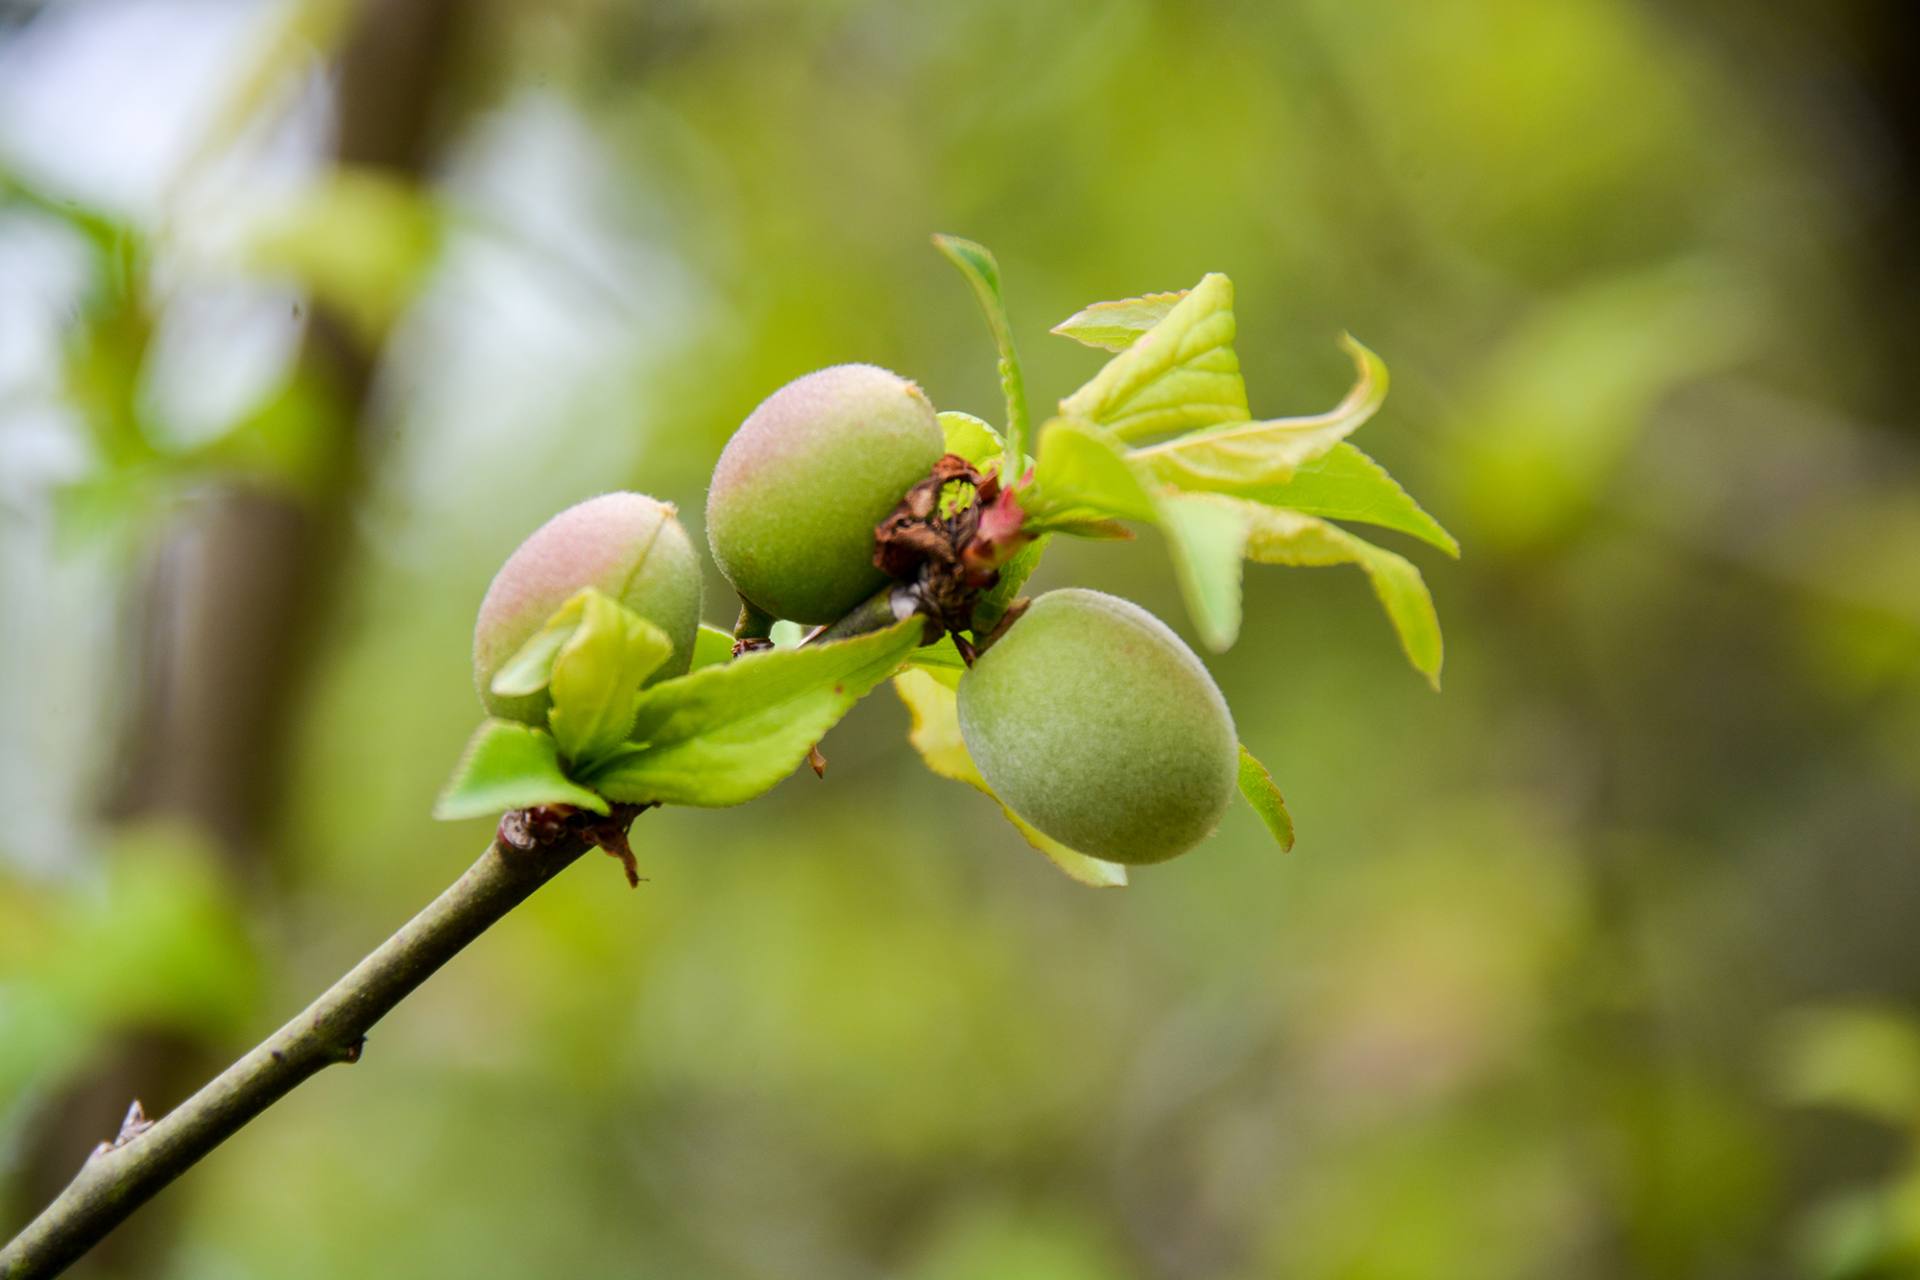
(628, 546)
(1093, 721)
(801, 485)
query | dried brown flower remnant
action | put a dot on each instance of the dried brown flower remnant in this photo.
(951, 558)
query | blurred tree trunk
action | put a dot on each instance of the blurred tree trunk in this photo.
(1844, 79)
(233, 599)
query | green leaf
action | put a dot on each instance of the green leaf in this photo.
(1207, 538)
(1115, 326)
(712, 647)
(941, 660)
(1180, 375)
(1254, 453)
(509, 765)
(1209, 533)
(1097, 529)
(530, 669)
(725, 734)
(936, 736)
(972, 439)
(992, 604)
(1256, 784)
(1287, 537)
(1082, 474)
(1345, 484)
(983, 273)
(597, 676)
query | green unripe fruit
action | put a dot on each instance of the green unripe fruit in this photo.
(799, 488)
(1095, 723)
(626, 545)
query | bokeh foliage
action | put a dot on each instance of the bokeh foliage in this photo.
(1530, 997)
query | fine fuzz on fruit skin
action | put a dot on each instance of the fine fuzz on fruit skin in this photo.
(628, 546)
(1098, 725)
(799, 488)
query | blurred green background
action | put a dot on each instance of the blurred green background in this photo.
(1602, 963)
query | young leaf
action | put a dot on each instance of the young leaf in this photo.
(936, 736)
(983, 273)
(1256, 784)
(597, 677)
(1180, 375)
(1207, 538)
(509, 765)
(1242, 454)
(972, 439)
(1115, 326)
(711, 647)
(1345, 484)
(531, 667)
(725, 734)
(1287, 537)
(1082, 474)
(1097, 529)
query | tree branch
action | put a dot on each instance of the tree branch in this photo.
(122, 1175)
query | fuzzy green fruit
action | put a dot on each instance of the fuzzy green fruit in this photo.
(1095, 723)
(799, 488)
(628, 546)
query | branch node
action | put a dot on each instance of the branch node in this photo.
(132, 1126)
(609, 834)
(530, 830)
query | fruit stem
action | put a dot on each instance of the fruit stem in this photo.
(753, 631)
(892, 603)
(753, 624)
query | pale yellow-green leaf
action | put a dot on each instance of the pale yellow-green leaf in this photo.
(531, 666)
(1243, 454)
(972, 439)
(597, 676)
(936, 736)
(1082, 473)
(1179, 376)
(1345, 484)
(1206, 538)
(1275, 536)
(1115, 326)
